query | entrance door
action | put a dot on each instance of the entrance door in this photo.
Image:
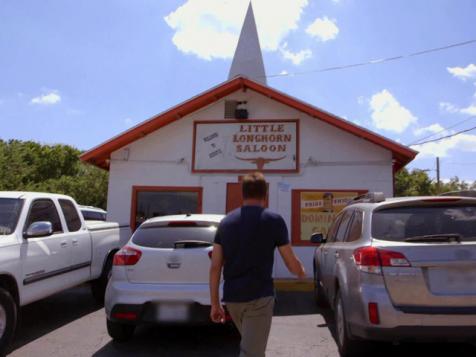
(234, 198)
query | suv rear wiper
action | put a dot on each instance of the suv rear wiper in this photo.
(449, 237)
(182, 244)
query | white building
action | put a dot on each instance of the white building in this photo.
(190, 157)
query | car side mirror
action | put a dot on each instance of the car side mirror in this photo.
(39, 229)
(317, 238)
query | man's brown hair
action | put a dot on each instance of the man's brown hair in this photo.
(254, 186)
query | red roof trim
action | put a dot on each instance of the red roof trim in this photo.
(100, 154)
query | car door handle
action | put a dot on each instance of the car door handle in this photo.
(75, 242)
(64, 244)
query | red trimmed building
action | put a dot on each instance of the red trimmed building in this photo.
(190, 158)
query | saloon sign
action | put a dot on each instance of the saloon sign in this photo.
(248, 145)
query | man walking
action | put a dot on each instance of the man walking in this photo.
(244, 247)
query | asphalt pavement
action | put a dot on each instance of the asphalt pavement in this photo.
(72, 324)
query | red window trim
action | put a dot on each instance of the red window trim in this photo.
(296, 216)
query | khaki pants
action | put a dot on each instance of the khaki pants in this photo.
(253, 320)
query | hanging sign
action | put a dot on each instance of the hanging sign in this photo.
(247, 145)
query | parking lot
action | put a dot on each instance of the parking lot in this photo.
(72, 324)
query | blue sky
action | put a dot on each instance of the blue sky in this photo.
(80, 72)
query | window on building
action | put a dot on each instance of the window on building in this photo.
(314, 211)
(162, 201)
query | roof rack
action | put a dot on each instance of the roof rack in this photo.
(370, 197)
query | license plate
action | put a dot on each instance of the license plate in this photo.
(168, 312)
(452, 281)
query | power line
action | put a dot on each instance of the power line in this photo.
(376, 61)
(445, 137)
(443, 130)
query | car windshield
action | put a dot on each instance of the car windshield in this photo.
(166, 237)
(10, 209)
(425, 223)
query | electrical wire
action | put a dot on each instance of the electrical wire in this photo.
(376, 61)
(445, 137)
(442, 130)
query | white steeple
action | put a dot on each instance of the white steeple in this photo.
(248, 60)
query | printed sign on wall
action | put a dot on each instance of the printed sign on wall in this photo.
(251, 145)
(315, 210)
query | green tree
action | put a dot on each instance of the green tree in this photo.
(30, 166)
(413, 183)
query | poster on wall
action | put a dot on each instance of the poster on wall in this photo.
(317, 210)
(243, 146)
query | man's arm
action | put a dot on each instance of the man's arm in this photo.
(217, 314)
(293, 264)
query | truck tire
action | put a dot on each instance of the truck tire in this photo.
(8, 320)
(120, 332)
(98, 286)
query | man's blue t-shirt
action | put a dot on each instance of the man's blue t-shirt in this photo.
(249, 236)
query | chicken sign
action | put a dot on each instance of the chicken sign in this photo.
(247, 145)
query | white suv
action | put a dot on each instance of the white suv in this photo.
(161, 275)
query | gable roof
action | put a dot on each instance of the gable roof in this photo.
(100, 154)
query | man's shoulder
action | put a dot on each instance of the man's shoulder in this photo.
(269, 215)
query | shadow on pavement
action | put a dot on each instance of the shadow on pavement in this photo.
(44, 316)
(177, 341)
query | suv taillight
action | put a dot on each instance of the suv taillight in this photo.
(127, 256)
(371, 259)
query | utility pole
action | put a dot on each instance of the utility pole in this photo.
(438, 188)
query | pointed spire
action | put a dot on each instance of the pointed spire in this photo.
(248, 59)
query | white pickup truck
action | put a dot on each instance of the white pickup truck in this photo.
(46, 247)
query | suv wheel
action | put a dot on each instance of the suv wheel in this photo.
(120, 332)
(347, 346)
(8, 320)
(319, 295)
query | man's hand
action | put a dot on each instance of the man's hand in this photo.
(217, 314)
(293, 264)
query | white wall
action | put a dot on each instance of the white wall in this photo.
(163, 158)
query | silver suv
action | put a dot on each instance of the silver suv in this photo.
(399, 269)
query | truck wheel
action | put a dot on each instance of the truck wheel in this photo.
(319, 295)
(98, 286)
(120, 332)
(8, 320)
(348, 347)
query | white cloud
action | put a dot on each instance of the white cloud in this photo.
(470, 110)
(50, 98)
(284, 72)
(209, 29)
(323, 29)
(463, 73)
(361, 100)
(295, 57)
(389, 114)
(449, 107)
(433, 128)
(442, 148)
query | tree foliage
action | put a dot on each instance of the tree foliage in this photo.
(30, 166)
(417, 183)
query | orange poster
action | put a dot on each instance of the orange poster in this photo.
(318, 210)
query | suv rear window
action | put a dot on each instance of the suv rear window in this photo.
(399, 223)
(166, 237)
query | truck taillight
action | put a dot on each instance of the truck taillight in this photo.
(127, 256)
(371, 259)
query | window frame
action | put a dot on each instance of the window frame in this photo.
(55, 205)
(356, 212)
(68, 201)
(347, 213)
(137, 189)
(296, 212)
